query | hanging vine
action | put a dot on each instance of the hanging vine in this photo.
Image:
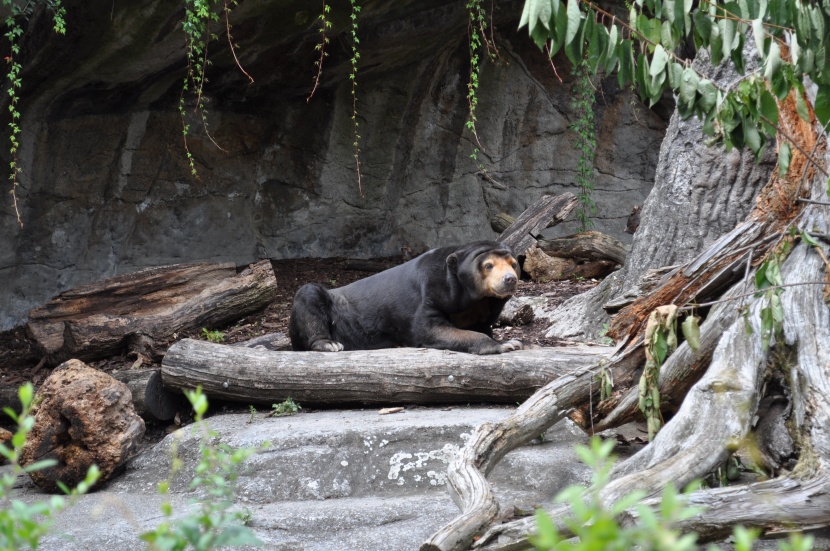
(582, 103)
(325, 25)
(14, 30)
(353, 77)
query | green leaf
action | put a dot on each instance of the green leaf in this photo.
(574, 20)
(759, 34)
(688, 85)
(611, 55)
(540, 12)
(560, 27)
(625, 74)
(675, 75)
(752, 138)
(658, 61)
(809, 239)
(703, 28)
(773, 61)
(801, 106)
(727, 32)
(768, 107)
(708, 95)
(716, 45)
(691, 331)
(822, 104)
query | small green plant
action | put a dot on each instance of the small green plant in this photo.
(660, 342)
(586, 143)
(597, 526)
(603, 335)
(288, 407)
(214, 523)
(252, 413)
(213, 336)
(22, 525)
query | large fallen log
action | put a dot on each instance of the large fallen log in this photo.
(589, 245)
(146, 308)
(388, 376)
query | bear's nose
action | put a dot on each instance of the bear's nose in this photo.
(509, 279)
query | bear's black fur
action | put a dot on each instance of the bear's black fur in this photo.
(447, 298)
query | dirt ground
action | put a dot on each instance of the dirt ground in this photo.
(20, 361)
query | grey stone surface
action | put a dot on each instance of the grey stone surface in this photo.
(106, 188)
(346, 480)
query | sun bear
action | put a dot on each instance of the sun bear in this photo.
(447, 298)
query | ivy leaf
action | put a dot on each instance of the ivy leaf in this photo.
(822, 104)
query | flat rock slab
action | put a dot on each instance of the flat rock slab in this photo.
(347, 480)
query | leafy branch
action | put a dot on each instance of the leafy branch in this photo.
(743, 116)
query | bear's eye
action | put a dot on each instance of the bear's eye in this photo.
(488, 266)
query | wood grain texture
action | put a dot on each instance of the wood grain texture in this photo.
(367, 377)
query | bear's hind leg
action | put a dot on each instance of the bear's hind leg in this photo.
(310, 325)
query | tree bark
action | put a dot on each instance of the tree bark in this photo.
(700, 193)
(371, 377)
(147, 307)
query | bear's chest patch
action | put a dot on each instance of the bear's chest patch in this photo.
(478, 314)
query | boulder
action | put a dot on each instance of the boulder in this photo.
(83, 417)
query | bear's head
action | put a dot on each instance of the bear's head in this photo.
(486, 269)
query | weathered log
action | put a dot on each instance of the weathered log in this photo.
(541, 267)
(388, 376)
(83, 417)
(151, 400)
(590, 245)
(99, 319)
(501, 221)
(550, 209)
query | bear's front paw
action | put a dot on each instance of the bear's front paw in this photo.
(325, 345)
(511, 345)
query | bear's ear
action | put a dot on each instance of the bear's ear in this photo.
(452, 263)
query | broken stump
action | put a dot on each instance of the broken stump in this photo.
(83, 417)
(548, 211)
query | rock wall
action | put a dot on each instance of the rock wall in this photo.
(106, 187)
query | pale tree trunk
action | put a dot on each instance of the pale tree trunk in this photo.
(699, 194)
(714, 393)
